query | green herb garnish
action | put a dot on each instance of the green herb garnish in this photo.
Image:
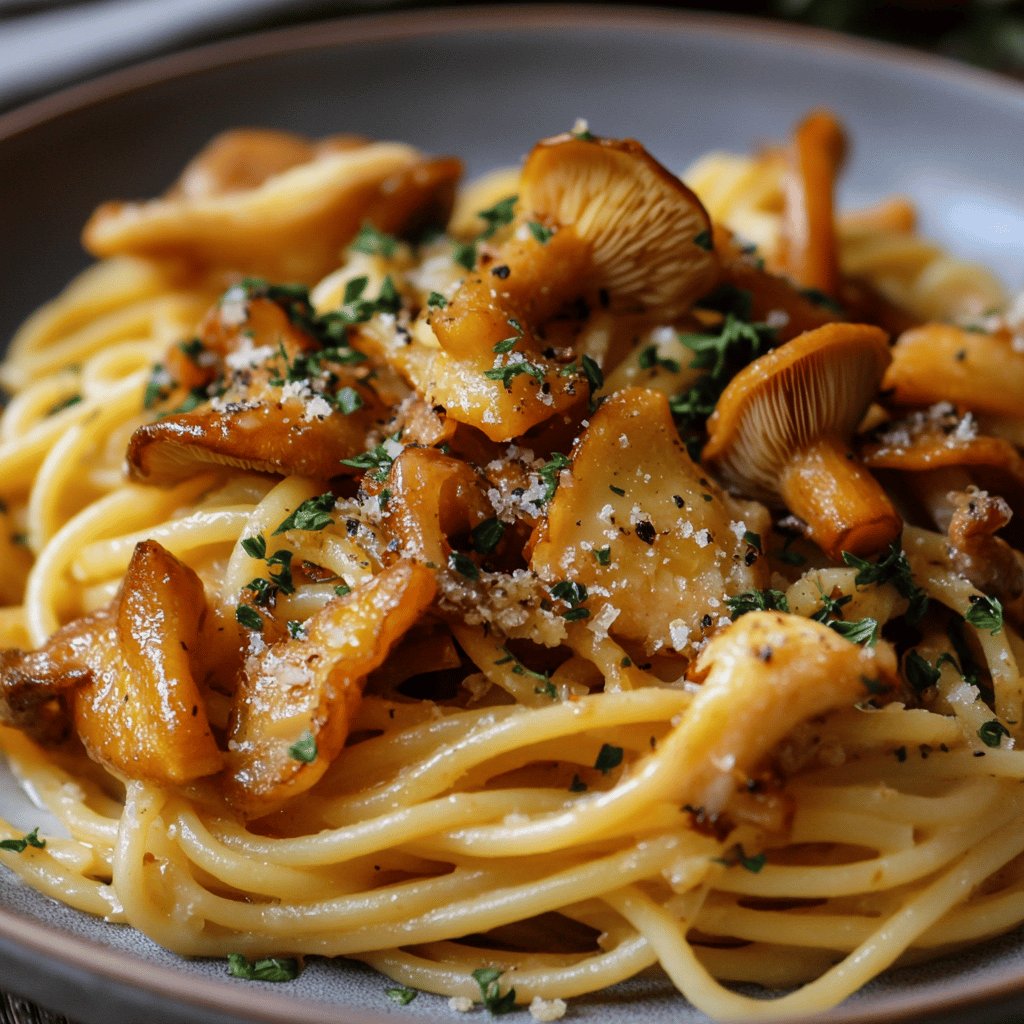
(985, 613)
(757, 601)
(992, 733)
(20, 845)
(487, 978)
(271, 968)
(304, 749)
(312, 514)
(248, 617)
(608, 757)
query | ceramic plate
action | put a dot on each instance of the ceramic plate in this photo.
(485, 85)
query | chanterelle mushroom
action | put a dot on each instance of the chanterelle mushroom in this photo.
(287, 214)
(646, 232)
(760, 678)
(598, 220)
(932, 452)
(781, 429)
(810, 250)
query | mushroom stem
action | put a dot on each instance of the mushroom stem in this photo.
(843, 505)
(810, 248)
(539, 279)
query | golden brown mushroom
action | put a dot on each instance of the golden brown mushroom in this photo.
(646, 233)
(277, 206)
(637, 522)
(942, 363)
(433, 496)
(760, 678)
(809, 248)
(598, 220)
(269, 415)
(935, 451)
(781, 429)
(296, 697)
(127, 674)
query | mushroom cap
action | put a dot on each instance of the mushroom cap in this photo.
(648, 234)
(817, 385)
(281, 217)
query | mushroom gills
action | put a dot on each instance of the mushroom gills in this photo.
(781, 429)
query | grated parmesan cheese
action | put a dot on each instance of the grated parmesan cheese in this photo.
(547, 1009)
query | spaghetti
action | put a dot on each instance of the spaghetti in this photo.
(399, 611)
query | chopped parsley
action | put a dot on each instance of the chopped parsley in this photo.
(463, 565)
(985, 613)
(649, 360)
(255, 547)
(519, 669)
(575, 614)
(374, 242)
(64, 403)
(271, 968)
(859, 631)
(248, 617)
(992, 733)
(498, 215)
(571, 593)
(608, 757)
(401, 995)
(713, 352)
(593, 373)
(757, 601)
(192, 349)
(737, 343)
(541, 233)
(603, 555)
(703, 240)
(892, 567)
(304, 749)
(620, 491)
(547, 690)
(577, 785)
(920, 672)
(490, 992)
(494, 217)
(549, 474)
(737, 856)
(312, 514)
(509, 343)
(332, 327)
(158, 387)
(435, 300)
(465, 254)
(753, 539)
(377, 461)
(507, 373)
(20, 845)
(486, 536)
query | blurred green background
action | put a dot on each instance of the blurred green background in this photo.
(989, 33)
